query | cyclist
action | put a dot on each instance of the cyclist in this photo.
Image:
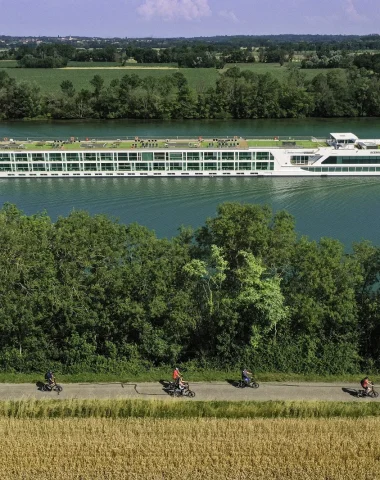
(367, 385)
(246, 376)
(182, 385)
(176, 376)
(50, 378)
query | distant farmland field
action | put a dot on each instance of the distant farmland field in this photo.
(278, 71)
(8, 63)
(50, 79)
(199, 78)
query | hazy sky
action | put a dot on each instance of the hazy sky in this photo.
(173, 18)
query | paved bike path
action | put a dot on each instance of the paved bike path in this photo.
(203, 390)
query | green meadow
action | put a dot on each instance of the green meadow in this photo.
(80, 73)
(50, 79)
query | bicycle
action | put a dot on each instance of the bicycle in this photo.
(372, 393)
(54, 387)
(252, 384)
(185, 392)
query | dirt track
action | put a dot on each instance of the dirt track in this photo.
(204, 391)
(120, 68)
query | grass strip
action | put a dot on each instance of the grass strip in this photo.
(24, 409)
(192, 375)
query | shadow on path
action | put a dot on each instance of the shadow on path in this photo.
(147, 394)
(351, 391)
(166, 386)
(232, 382)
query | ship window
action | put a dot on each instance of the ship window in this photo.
(271, 157)
(37, 156)
(227, 155)
(5, 167)
(175, 166)
(71, 167)
(245, 166)
(147, 156)
(245, 156)
(142, 166)
(299, 159)
(271, 166)
(262, 166)
(192, 155)
(350, 160)
(106, 157)
(39, 167)
(56, 167)
(193, 166)
(159, 166)
(132, 156)
(161, 156)
(106, 167)
(4, 157)
(21, 157)
(89, 166)
(55, 157)
(210, 166)
(72, 157)
(227, 165)
(262, 155)
(122, 157)
(175, 157)
(90, 157)
(22, 167)
(124, 166)
(211, 155)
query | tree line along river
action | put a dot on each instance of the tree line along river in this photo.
(343, 208)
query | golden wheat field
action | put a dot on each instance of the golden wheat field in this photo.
(99, 448)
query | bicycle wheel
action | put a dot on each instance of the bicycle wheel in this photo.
(374, 394)
(58, 388)
(191, 394)
(254, 384)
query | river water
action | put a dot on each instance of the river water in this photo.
(343, 208)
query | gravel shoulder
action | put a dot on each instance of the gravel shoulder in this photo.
(290, 391)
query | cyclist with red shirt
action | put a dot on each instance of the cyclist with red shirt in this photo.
(367, 385)
(176, 376)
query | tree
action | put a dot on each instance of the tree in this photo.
(67, 88)
(98, 83)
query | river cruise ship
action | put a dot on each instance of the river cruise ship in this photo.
(340, 154)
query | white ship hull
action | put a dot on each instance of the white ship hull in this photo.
(345, 156)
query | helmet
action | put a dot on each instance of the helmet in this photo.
(177, 368)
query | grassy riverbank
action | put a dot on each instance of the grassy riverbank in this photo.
(100, 448)
(157, 374)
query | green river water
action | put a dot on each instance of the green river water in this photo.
(343, 208)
